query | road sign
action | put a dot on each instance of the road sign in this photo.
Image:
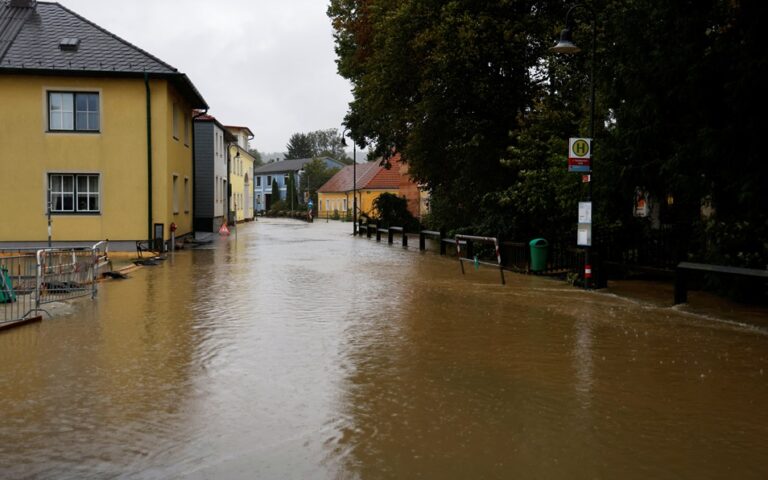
(584, 235)
(310, 205)
(585, 212)
(579, 154)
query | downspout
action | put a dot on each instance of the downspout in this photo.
(194, 171)
(229, 185)
(149, 158)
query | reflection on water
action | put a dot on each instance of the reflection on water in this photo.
(300, 352)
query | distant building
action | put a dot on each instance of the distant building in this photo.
(241, 205)
(373, 180)
(94, 128)
(211, 179)
(416, 196)
(336, 196)
(279, 172)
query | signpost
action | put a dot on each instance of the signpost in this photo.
(580, 155)
(584, 235)
(580, 160)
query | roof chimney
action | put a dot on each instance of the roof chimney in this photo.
(24, 3)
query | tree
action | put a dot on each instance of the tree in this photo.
(443, 84)
(319, 143)
(257, 159)
(275, 192)
(315, 175)
(469, 95)
(291, 198)
(299, 146)
(392, 211)
(329, 143)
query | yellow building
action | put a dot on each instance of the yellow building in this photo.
(241, 201)
(336, 196)
(92, 127)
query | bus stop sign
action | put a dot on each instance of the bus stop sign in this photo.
(580, 155)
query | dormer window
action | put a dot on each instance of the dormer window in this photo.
(69, 44)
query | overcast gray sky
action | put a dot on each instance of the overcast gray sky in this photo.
(265, 64)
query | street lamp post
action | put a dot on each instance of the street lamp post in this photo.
(354, 180)
(566, 45)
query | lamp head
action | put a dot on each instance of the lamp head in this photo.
(565, 45)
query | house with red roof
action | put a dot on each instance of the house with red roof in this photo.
(372, 180)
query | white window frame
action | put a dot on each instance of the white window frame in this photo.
(175, 121)
(186, 129)
(75, 193)
(186, 195)
(175, 194)
(72, 113)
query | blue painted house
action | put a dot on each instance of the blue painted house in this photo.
(279, 172)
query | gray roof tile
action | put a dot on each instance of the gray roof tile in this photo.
(30, 37)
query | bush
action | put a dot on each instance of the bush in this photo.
(392, 211)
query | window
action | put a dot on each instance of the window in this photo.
(175, 121)
(175, 194)
(327, 205)
(73, 112)
(258, 181)
(74, 193)
(186, 195)
(269, 180)
(186, 129)
(216, 190)
(345, 205)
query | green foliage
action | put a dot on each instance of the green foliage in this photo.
(291, 192)
(329, 143)
(470, 95)
(257, 159)
(299, 146)
(278, 206)
(319, 143)
(315, 175)
(392, 211)
(275, 192)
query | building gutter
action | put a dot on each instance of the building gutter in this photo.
(149, 158)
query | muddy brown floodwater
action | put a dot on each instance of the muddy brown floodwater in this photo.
(298, 351)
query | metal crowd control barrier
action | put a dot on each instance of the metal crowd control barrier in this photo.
(18, 292)
(469, 239)
(32, 278)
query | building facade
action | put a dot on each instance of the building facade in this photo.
(241, 162)
(279, 172)
(94, 130)
(211, 179)
(336, 197)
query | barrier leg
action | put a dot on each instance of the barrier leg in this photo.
(681, 286)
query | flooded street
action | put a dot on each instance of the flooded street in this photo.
(298, 351)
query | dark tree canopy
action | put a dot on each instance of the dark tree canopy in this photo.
(470, 95)
(319, 143)
(299, 146)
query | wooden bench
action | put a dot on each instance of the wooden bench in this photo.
(681, 276)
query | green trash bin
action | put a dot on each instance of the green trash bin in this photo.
(539, 247)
